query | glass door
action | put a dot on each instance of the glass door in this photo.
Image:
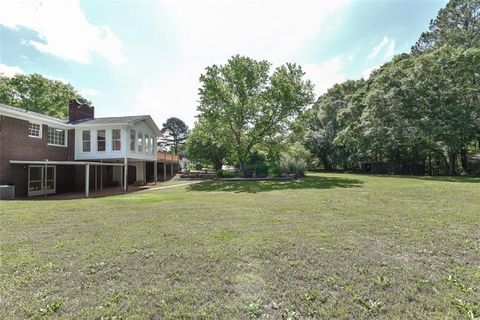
(41, 180)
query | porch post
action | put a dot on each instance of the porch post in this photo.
(96, 178)
(165, 171)
(125, 175)
(44, 176)
(87, 180)
(145, 172)
(101, 177)
(155, 171)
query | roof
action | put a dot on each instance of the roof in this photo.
(112, 120)
(19, 111)
(22, 113)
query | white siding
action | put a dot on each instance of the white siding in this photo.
(109, 153)
(144, 128)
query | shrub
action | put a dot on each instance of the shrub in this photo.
(275, 170)
(291, 165)
(224, 174)
(261, 170)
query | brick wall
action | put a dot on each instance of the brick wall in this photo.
(15, 144)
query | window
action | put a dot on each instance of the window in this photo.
(154, 146)
(140, 142)
(34, 130)
(101, 140)
(86, 140)
(116, 142)
(56, 136)
(132, 140)
(147, 144)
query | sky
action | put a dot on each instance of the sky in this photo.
(145, 57)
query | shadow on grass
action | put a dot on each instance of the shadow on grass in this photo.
(262, 186)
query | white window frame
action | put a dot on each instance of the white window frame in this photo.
(40, 130)
(89, 141)
(134, 132)
(43, 177)
(147, 144)
(140, 142)
(65, 135)
(104, 140)
(119, 139)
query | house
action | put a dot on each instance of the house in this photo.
(42, 155)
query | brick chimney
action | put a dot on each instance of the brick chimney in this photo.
(79, 110)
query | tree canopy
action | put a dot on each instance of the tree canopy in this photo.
(253, 104)
(420, 112)
(39, 94)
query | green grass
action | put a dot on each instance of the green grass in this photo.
(328, 246)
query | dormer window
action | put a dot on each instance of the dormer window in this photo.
(34, 130)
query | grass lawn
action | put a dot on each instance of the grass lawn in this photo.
(328, 246)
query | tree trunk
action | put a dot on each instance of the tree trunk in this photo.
(217, 164)
(452, 163)
(464, 160)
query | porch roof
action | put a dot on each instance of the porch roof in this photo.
(73, 163)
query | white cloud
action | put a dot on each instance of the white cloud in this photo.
(89, 92)
(326, 74)
(10, 71)
(63, 29)
(211, 31)
(262, 29)
(387, 45)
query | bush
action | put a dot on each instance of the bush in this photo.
(261, 170)
(275, 171)
(291, 165)
(224, 174)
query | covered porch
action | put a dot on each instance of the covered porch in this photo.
(46, 177)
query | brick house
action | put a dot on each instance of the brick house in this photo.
(42, 155)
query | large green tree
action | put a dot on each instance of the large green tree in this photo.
(457, 25)
(39, 94)
(252, 102)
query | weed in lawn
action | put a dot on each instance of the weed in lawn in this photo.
(383, 282)
(50, 308)
(226, 235)
(289, 314)
(254, 309)
(468, 309)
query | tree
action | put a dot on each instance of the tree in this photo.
(209, 143)
(457, 25)
(252, 103)
(176, 133)
(37, 93)
(326, 124)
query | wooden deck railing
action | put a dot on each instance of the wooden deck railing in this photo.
(167, 156)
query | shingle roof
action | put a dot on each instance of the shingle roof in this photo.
(15, 109)
(111, 120)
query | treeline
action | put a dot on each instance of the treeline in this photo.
(417, 114)
(37, 93)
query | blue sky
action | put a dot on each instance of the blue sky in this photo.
(145, 57)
